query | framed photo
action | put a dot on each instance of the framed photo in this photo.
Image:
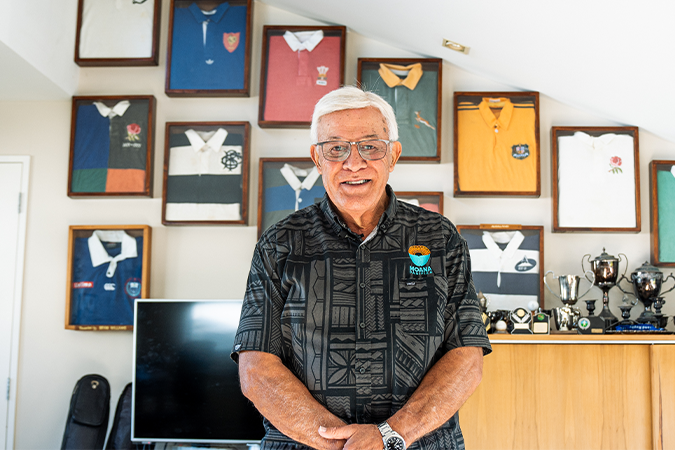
(206, 173)
(111, 146)
(286, 185)
(209, 53)
(496, 149)
(506, 263)
(413, 88)
(662, 209)
(596, 179)
(108, 269)
(431, 201)
(117, 33)
(300, 64)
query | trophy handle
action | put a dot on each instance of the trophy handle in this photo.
(592, 282)
(547, 286)
(618, 284)
(626, 258)
(664, 280)
(582, 261)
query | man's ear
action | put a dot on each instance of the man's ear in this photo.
(314, 152)
(396, 150)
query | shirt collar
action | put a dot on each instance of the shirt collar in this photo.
(489, 117)
(303, 40)
(393, 80)
(595, 142)
(502, 256)
(672, 170)
(200, 17)
(99, 255)
(118, 110)
(213, 144)
(291, 174)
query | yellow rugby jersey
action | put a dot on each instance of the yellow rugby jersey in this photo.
(496, 146)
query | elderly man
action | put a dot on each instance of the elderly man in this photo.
(360, 327)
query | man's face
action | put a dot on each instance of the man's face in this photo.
(355, 185)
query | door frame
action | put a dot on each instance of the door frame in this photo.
(18, 295)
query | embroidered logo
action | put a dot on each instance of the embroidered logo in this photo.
(133, 130)
(231, 41)
(520, 151)
(321, 79)
(109, 286)
(231, 160)
(83, 285)
(614, 164)
(423, 121)
(525, 264)
(133, 287)
(419, 255)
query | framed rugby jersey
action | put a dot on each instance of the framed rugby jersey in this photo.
(108, 269)
(117, 32)
(431, 201)
(506, 263)
(596, 179)
(662, 212)
(300, 64)
(209, 53)
(205, 173)
(286, 185)
(496, 144)
(413, 88)
(111, 146)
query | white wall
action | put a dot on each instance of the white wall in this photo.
(212, 262)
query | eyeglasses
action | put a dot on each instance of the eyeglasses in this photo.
(370, 149)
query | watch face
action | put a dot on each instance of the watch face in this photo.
(394, 443)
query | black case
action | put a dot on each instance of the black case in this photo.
(120, 433)
(87, 422)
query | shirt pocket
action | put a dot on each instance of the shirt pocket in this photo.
(418, 306)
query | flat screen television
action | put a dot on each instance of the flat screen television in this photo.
(185, 385)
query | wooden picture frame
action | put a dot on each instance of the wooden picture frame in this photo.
(595, 185)
(662, 229)
(109, 35)
(507, 290)
(276, 197)
(111, 146)
(108, 269)
(431, 201)
(293, 78)
(217, 64)
(496, 155)
(206, 173)
(413, 87)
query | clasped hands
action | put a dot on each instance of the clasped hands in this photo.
(353, 437)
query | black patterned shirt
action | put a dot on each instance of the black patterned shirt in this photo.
(360, 322)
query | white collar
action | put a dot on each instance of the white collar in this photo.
(514, 240)
(672, 170)
(99, 255)
(595, 142)
(303, 40)
(214, 143)
(291, 174)
(117, 110)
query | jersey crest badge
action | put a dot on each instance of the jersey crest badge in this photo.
(423, 121)
(615, 165)
(133, 287)
(525, 264)
(419, 255)
(520, 151)
(323, 74)
(231, 41)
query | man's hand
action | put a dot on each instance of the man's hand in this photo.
(358, 437)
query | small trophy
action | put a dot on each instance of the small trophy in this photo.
(521, 319)
(567, 316)
(647, 281)
(483, 303)
(606, 270)
(591, 324)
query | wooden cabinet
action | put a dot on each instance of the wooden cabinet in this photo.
(574, 392)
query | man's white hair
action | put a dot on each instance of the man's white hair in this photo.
(351, 97)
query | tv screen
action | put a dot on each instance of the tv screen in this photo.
(185, 385)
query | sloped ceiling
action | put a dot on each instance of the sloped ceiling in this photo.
(613, 58)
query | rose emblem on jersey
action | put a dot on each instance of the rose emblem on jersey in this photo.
(231, 41)
(133, 130)
(419, 255)
(615, 165)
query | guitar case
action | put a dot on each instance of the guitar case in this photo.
(120, 433)
(87, 422)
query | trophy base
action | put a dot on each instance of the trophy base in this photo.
(591, 325)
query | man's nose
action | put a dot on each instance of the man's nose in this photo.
(354, 161)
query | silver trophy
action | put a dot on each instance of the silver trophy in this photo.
(647, 282)
(567, 316)
(606, 270)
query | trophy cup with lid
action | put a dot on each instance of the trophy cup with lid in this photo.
(647, 282)
(566, 317)
(606, 270)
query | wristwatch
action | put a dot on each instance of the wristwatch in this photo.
(392, 440)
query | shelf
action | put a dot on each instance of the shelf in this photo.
(582, 339)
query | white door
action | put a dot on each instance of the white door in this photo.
(13, 187)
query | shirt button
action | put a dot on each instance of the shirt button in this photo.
(496, 130)
(362, 370)
(362, 325)
(299, 200)
(362, 285)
